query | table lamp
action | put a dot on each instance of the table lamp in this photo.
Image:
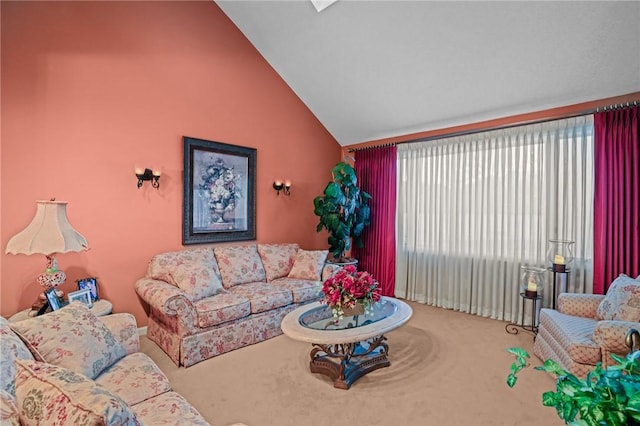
(48, 233)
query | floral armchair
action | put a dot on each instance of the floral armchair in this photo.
(588, 328)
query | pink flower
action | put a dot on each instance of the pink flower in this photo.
(347, 287)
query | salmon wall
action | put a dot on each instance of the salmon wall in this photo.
(91, 90)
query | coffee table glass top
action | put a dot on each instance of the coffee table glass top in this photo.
(321, 318)
(393, 313)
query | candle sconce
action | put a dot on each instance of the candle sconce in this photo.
(151, 175)
(532, 281)
(560, 255)
(285, 187)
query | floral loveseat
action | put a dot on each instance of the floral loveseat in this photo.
(69, 367)
(208, 301)
(587, 328)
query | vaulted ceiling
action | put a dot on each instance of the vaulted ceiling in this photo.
(375, 69)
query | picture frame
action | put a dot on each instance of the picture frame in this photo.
(90, 283)
(84, 296)
(219, 192)
(52, 299)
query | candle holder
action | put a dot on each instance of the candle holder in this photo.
(560, 255)
(532, 281)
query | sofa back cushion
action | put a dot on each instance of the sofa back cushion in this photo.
(277, 259)
(622, 301)
(11, 349)
(49, 394)
(194, 271)
(239, 264)
(71, 337)
(308, 265)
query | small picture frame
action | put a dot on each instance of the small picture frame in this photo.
(83, 296)
(90, 283)
(52, 299)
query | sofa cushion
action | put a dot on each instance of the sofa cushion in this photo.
(239, 264)
(71, 337)
(277, 259)
(622, 301)
(308, 265)
(302, 290)
(134, 378)
(194, 271)
(168, 409)
(49, 394)
(263, 296)
(11, 348)
(8, 409)
(221, 308)
(574, 334)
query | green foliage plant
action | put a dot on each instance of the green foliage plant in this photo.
(343, 210)
(607, 396)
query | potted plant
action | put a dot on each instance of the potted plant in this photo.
(607, 396)
(343, 210)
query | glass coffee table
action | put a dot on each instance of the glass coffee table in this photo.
(346, 349)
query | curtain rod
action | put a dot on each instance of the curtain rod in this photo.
(590, 111)
(364, 148)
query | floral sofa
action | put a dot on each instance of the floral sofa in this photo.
(69, 367)
(208, 301)
(588, 328)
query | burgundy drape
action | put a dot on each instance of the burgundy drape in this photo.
(616, 236)
(376, 171)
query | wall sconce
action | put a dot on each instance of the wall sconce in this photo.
(285, 187)
(148, 174)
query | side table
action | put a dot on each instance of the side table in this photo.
(100, 307)
(562, 276)
(512, 327)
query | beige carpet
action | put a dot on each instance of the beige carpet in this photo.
(447, 368)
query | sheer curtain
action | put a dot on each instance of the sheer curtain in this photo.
(473, 209)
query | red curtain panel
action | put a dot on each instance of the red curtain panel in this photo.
(617, 196)
(376, 171)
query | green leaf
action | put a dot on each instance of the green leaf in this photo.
(518, 352)
(511, 380)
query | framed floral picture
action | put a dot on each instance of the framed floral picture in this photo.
(219, 192)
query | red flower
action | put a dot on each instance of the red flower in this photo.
(347, 287)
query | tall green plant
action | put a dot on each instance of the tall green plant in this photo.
(343, 210)
(608, 396)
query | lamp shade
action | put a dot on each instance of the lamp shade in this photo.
(49, 232)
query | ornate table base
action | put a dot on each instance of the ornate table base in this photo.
(345, 363)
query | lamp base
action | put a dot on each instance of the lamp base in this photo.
(559, 267)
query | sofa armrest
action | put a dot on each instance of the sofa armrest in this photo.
(125, 329)
(579, 304)
(162, 296)
(610, 335)
(170, 302)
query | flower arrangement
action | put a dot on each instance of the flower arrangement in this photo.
(220, 183)
(348, 287)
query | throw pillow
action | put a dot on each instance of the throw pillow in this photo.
(162, 265)
(277, 259)
(11, 348)
(239, 265)
(621, 301)
(308, 265)
(71, 337)
(48, 394)
(195, 274)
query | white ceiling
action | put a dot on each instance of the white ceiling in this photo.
(375, 69)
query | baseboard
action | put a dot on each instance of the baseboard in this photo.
(142, 331)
